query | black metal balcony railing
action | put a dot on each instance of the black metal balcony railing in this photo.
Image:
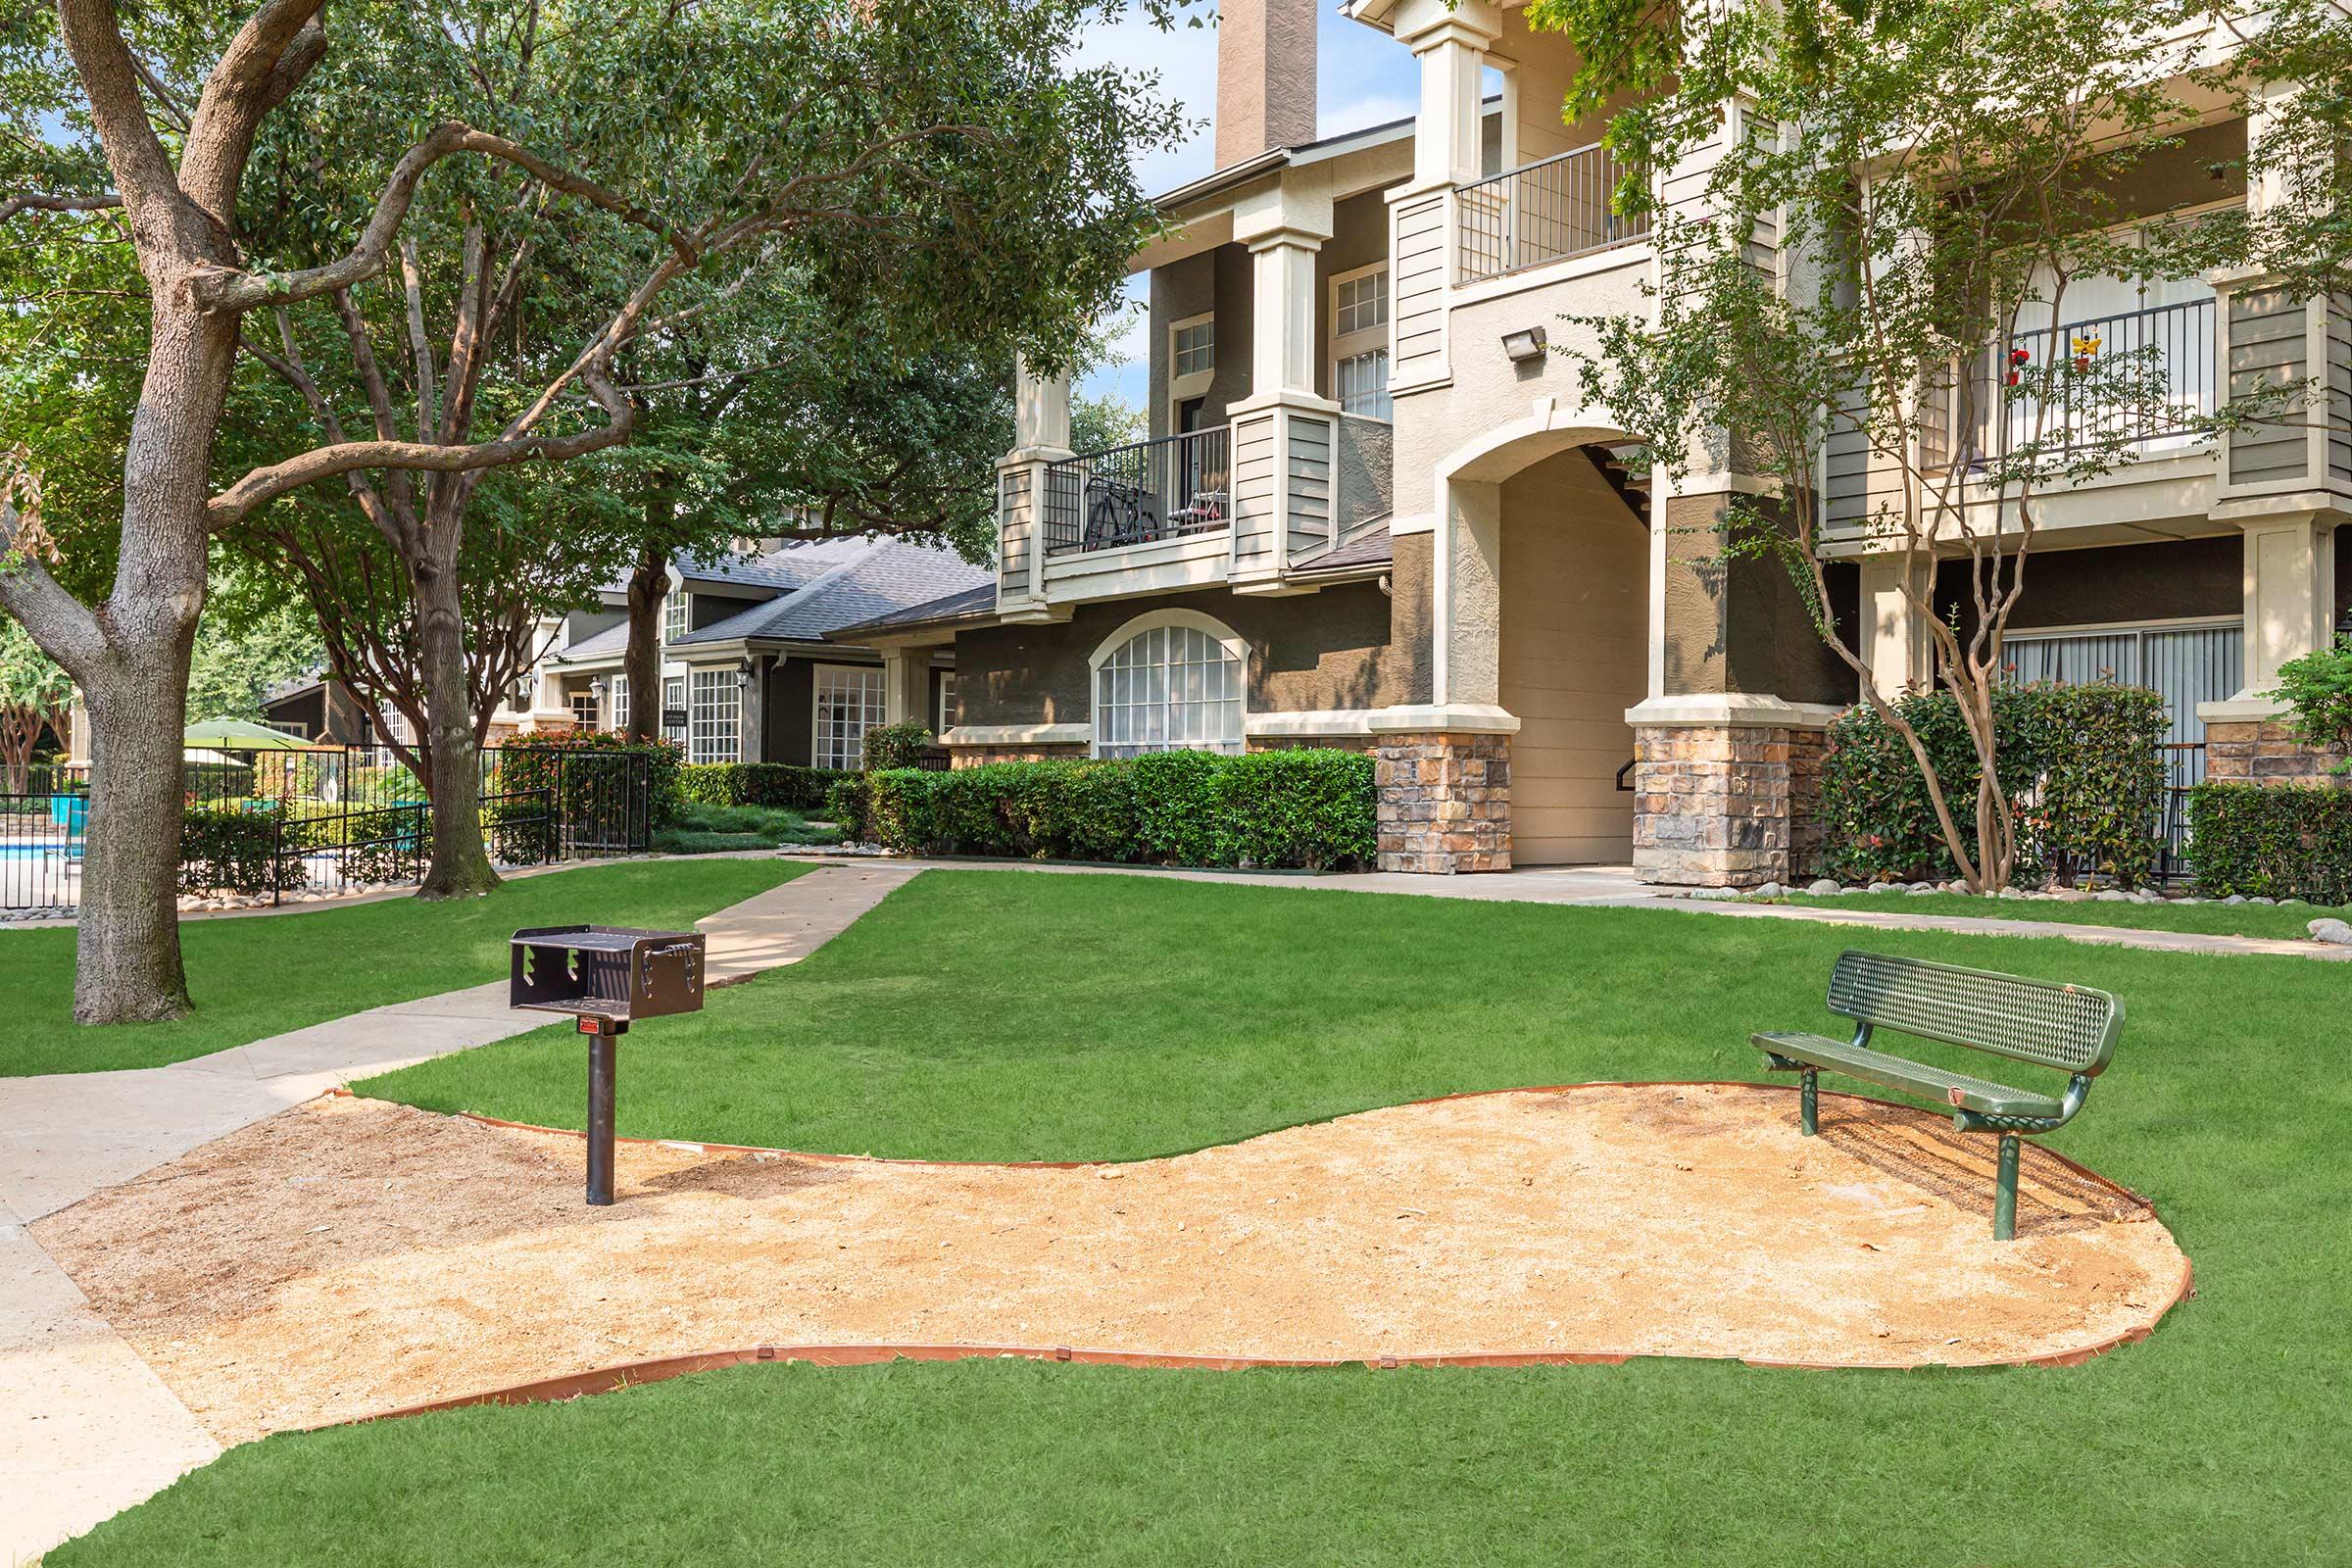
(1543, 212)
(2175, 343)
(1159, 489)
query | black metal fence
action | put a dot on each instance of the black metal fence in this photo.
(1159, 489)
(329, 819)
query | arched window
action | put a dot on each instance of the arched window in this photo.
(1168, 682)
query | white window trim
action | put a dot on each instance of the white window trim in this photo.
(1232, 641)
(728, 680)
(679, 603)
(1364, 340)
(939, 707)
(1197, 384)
(817, 733)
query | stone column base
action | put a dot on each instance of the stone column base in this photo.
(1444, 801)
(1726, 806)
(2265, 752)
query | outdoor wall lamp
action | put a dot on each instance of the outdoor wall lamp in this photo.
(597, 688)
(743, 675)
(1524, 344)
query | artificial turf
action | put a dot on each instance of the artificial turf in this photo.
(255, 976)
(992, 1014)
(2282, 921)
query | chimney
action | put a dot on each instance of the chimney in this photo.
(1265, 77)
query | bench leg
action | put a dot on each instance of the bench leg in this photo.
(2004, 1193)
(1808, 1103)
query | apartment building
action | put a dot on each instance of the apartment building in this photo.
(1375, 513)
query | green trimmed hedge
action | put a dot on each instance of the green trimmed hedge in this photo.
(2079, 766)
(782, 785)
(2275, 841)
(1308, 809)
(229, 850)
(889, 745)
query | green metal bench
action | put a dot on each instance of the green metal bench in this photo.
(2070, 1028)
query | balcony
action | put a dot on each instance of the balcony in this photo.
(2163, 408)
(1545, 212)
(1170, 487)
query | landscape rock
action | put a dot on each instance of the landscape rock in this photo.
(2261, 898)
(2235, 898)
(1771, 890)
(1822, 889)
(2113, 896)
(2335, 931)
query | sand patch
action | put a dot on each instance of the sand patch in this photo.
(351, 1256)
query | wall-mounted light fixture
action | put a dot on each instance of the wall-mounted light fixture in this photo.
(743, 675)
(1524, 344)
(597, 688)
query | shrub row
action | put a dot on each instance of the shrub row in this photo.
(1307, 808)
(2277, 841)
(889, 745)
(781, 785)
(2079, 763)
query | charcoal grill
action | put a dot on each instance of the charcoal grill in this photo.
(605, 977)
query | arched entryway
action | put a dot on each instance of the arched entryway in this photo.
(1572, 655)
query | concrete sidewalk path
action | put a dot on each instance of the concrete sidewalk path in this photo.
(85, 1427)
(1616, 887)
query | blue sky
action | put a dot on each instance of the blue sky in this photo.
(1365, 78)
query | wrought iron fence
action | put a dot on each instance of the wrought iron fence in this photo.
(1164, 488)
(1543, 212)
(326, 820)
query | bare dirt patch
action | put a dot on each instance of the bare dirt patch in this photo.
(351, 1256)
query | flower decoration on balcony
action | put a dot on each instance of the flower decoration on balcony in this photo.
(2017, 357)
(2085, 345)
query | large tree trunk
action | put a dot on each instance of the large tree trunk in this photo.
(128, 967)
(127, 964)
(461, 866)
(641, 664)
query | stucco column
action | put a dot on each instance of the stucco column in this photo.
(1894, 634)
(1024, 499)
(1469, 592)
(907, 686)
(2289, 589)
(1449, 44)
(1282, 351)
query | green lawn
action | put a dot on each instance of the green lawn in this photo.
(2288, 921)
(710, 829)
(1003, 1014)
(259, 975)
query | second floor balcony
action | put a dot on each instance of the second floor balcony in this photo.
(1553, 209)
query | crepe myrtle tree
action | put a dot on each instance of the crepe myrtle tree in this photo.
(947, 159)
(1877, 261)
(37, 697)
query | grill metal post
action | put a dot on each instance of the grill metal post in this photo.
(602, 1067)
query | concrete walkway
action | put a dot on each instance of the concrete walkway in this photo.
(1616, 887)
(85, 1427)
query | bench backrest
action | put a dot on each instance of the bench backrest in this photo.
(2072, 1028)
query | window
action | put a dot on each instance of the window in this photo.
(947, 705)
(1362, 383)
(678, 616)
(1175, 686)
(715, 734)
(1362, 302)
(583, 711)
(1196, 347)
(1359, 341)
(848, 702)
(620, 701)
(673, 709)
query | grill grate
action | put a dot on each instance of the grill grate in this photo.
(2070, 1028)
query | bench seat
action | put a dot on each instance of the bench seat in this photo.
(1979, 1095)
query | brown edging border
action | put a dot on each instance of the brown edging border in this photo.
(657, 1369)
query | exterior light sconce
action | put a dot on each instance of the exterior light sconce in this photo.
(743, 675)
(597, 688)
(1527, 343)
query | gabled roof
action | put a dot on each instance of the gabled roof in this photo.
(880, 578)
(610, 643)
(1367, 550)
(971, 603)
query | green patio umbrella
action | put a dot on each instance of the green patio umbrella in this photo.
(241, 735)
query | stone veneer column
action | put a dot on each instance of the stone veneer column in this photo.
(1444, 801)
(2262, 750)
(1727, 805)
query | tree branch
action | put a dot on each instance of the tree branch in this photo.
(34, 201)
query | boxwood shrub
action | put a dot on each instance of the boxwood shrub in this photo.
(783, 785)
(225, 849)
(2079, 766)
(2277, 841)
(1308, 809)
(528, 763)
